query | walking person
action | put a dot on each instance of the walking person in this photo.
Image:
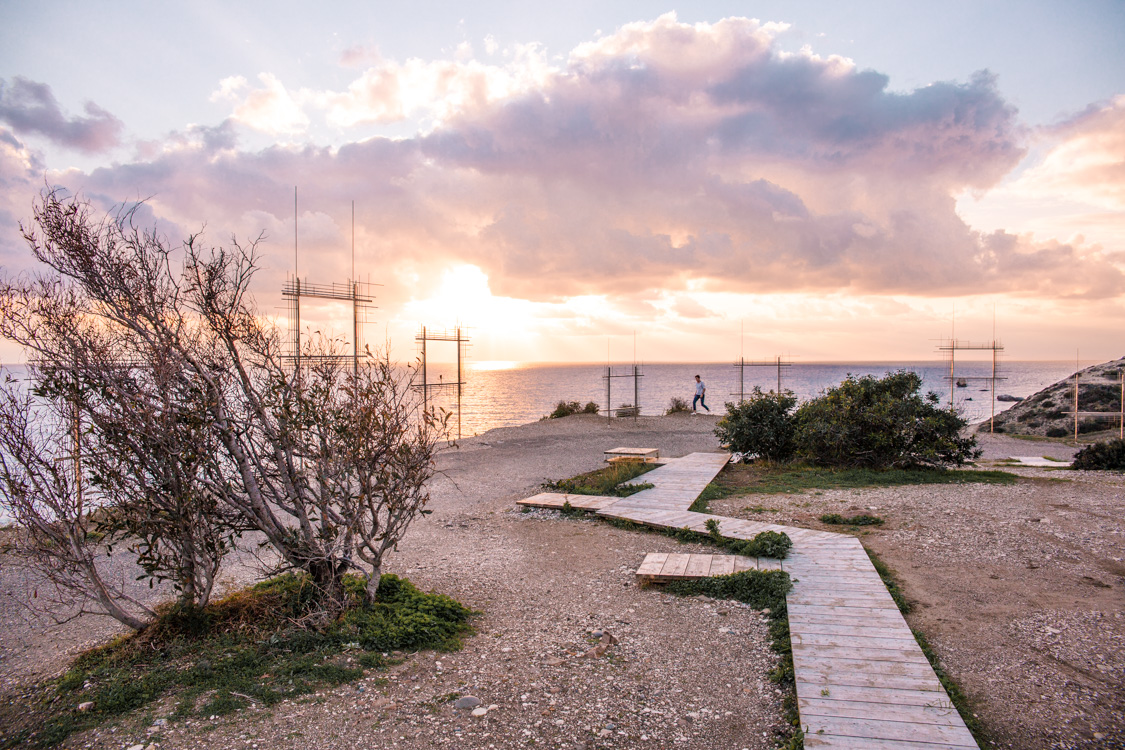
(700, 395)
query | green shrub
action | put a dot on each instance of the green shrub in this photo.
(766, 544)
(1057, 432)
(881, 423)
(566, 408)
(677, 405)
(1108, 455)
(762, 424)
(861, 520)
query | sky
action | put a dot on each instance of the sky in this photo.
(577, 182)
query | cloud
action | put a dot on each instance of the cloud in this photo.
(662, 158)
(30, 107)
(269, 109)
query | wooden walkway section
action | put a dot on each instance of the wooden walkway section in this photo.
(665, 566)
(863, 682)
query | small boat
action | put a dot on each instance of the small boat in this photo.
(961, 383)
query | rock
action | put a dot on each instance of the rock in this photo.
(479, 711)
(136, 747)
(467, 701)
(607, 638)
(1006, 397)
(597, 634)
(85, 706)
(555, 661)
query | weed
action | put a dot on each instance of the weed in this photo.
(788, 479)
(713, 491)
(861, 520)
(242, 649)
(604, 481)
(766, 544)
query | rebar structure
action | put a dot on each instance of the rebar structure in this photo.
(357, 293)
(635, 409)
(950, 347)
(742, 364)
(458, 337)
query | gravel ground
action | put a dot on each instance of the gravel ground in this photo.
(1019, 589)
(684, 673)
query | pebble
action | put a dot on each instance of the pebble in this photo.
(467, 701)
(479, 711)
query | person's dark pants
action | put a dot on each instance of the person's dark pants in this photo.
(700, 400)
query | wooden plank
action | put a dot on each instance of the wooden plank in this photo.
(739, 563)
(871, 729)
(882, 696)
(896, 654)
(652, 564)
(675, 566)
(837, 742)
(933, 712)
(901, 639)
(698, 566)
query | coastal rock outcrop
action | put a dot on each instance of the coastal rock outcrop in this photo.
(1050, 412)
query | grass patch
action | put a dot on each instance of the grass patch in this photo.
(959, 700)
(244, 648)
(765, 590)
(835, 519)
(789, 478)
(605, 481)
(713, 491)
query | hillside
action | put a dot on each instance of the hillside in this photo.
(1048, 413)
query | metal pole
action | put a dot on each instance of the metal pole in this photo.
(1076, 403)
(636, 394)
(779, 375)
(608, 391)
(1121, 432)
(297, 328)
(741, 379)
(992, 417)
(458, 382)
(952, 380)
(425, 382)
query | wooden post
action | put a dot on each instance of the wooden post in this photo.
(425, 382)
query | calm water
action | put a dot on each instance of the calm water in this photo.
(526, 392)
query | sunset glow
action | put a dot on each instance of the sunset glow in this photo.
(705, 184)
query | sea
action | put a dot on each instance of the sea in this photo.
(502, 394)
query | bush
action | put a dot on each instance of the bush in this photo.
(763, 424)
(1057, 432)
(861, 520)
(881, 423)
(677, 405)
(566, 408)
(1108, 455)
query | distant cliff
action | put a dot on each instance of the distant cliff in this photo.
(1045, 413)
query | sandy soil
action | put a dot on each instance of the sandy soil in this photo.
(1019, 589)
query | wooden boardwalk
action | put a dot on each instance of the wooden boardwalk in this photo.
(863, 682)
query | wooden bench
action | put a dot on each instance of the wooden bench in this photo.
(646, 455)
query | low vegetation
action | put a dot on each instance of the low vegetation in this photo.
(566, 408)
(677, 406)
(865, 422)
(835, 519)
(606, 481)
(251, 647)
(1108, 455)
(770, 479)
(766, 544)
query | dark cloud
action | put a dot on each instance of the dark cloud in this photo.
(31, 107)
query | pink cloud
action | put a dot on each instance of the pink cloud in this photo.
(30, 107)
(665, 156)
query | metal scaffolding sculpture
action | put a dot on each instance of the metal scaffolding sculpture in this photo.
(427, 386)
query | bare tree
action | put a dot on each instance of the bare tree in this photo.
(330, 465)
